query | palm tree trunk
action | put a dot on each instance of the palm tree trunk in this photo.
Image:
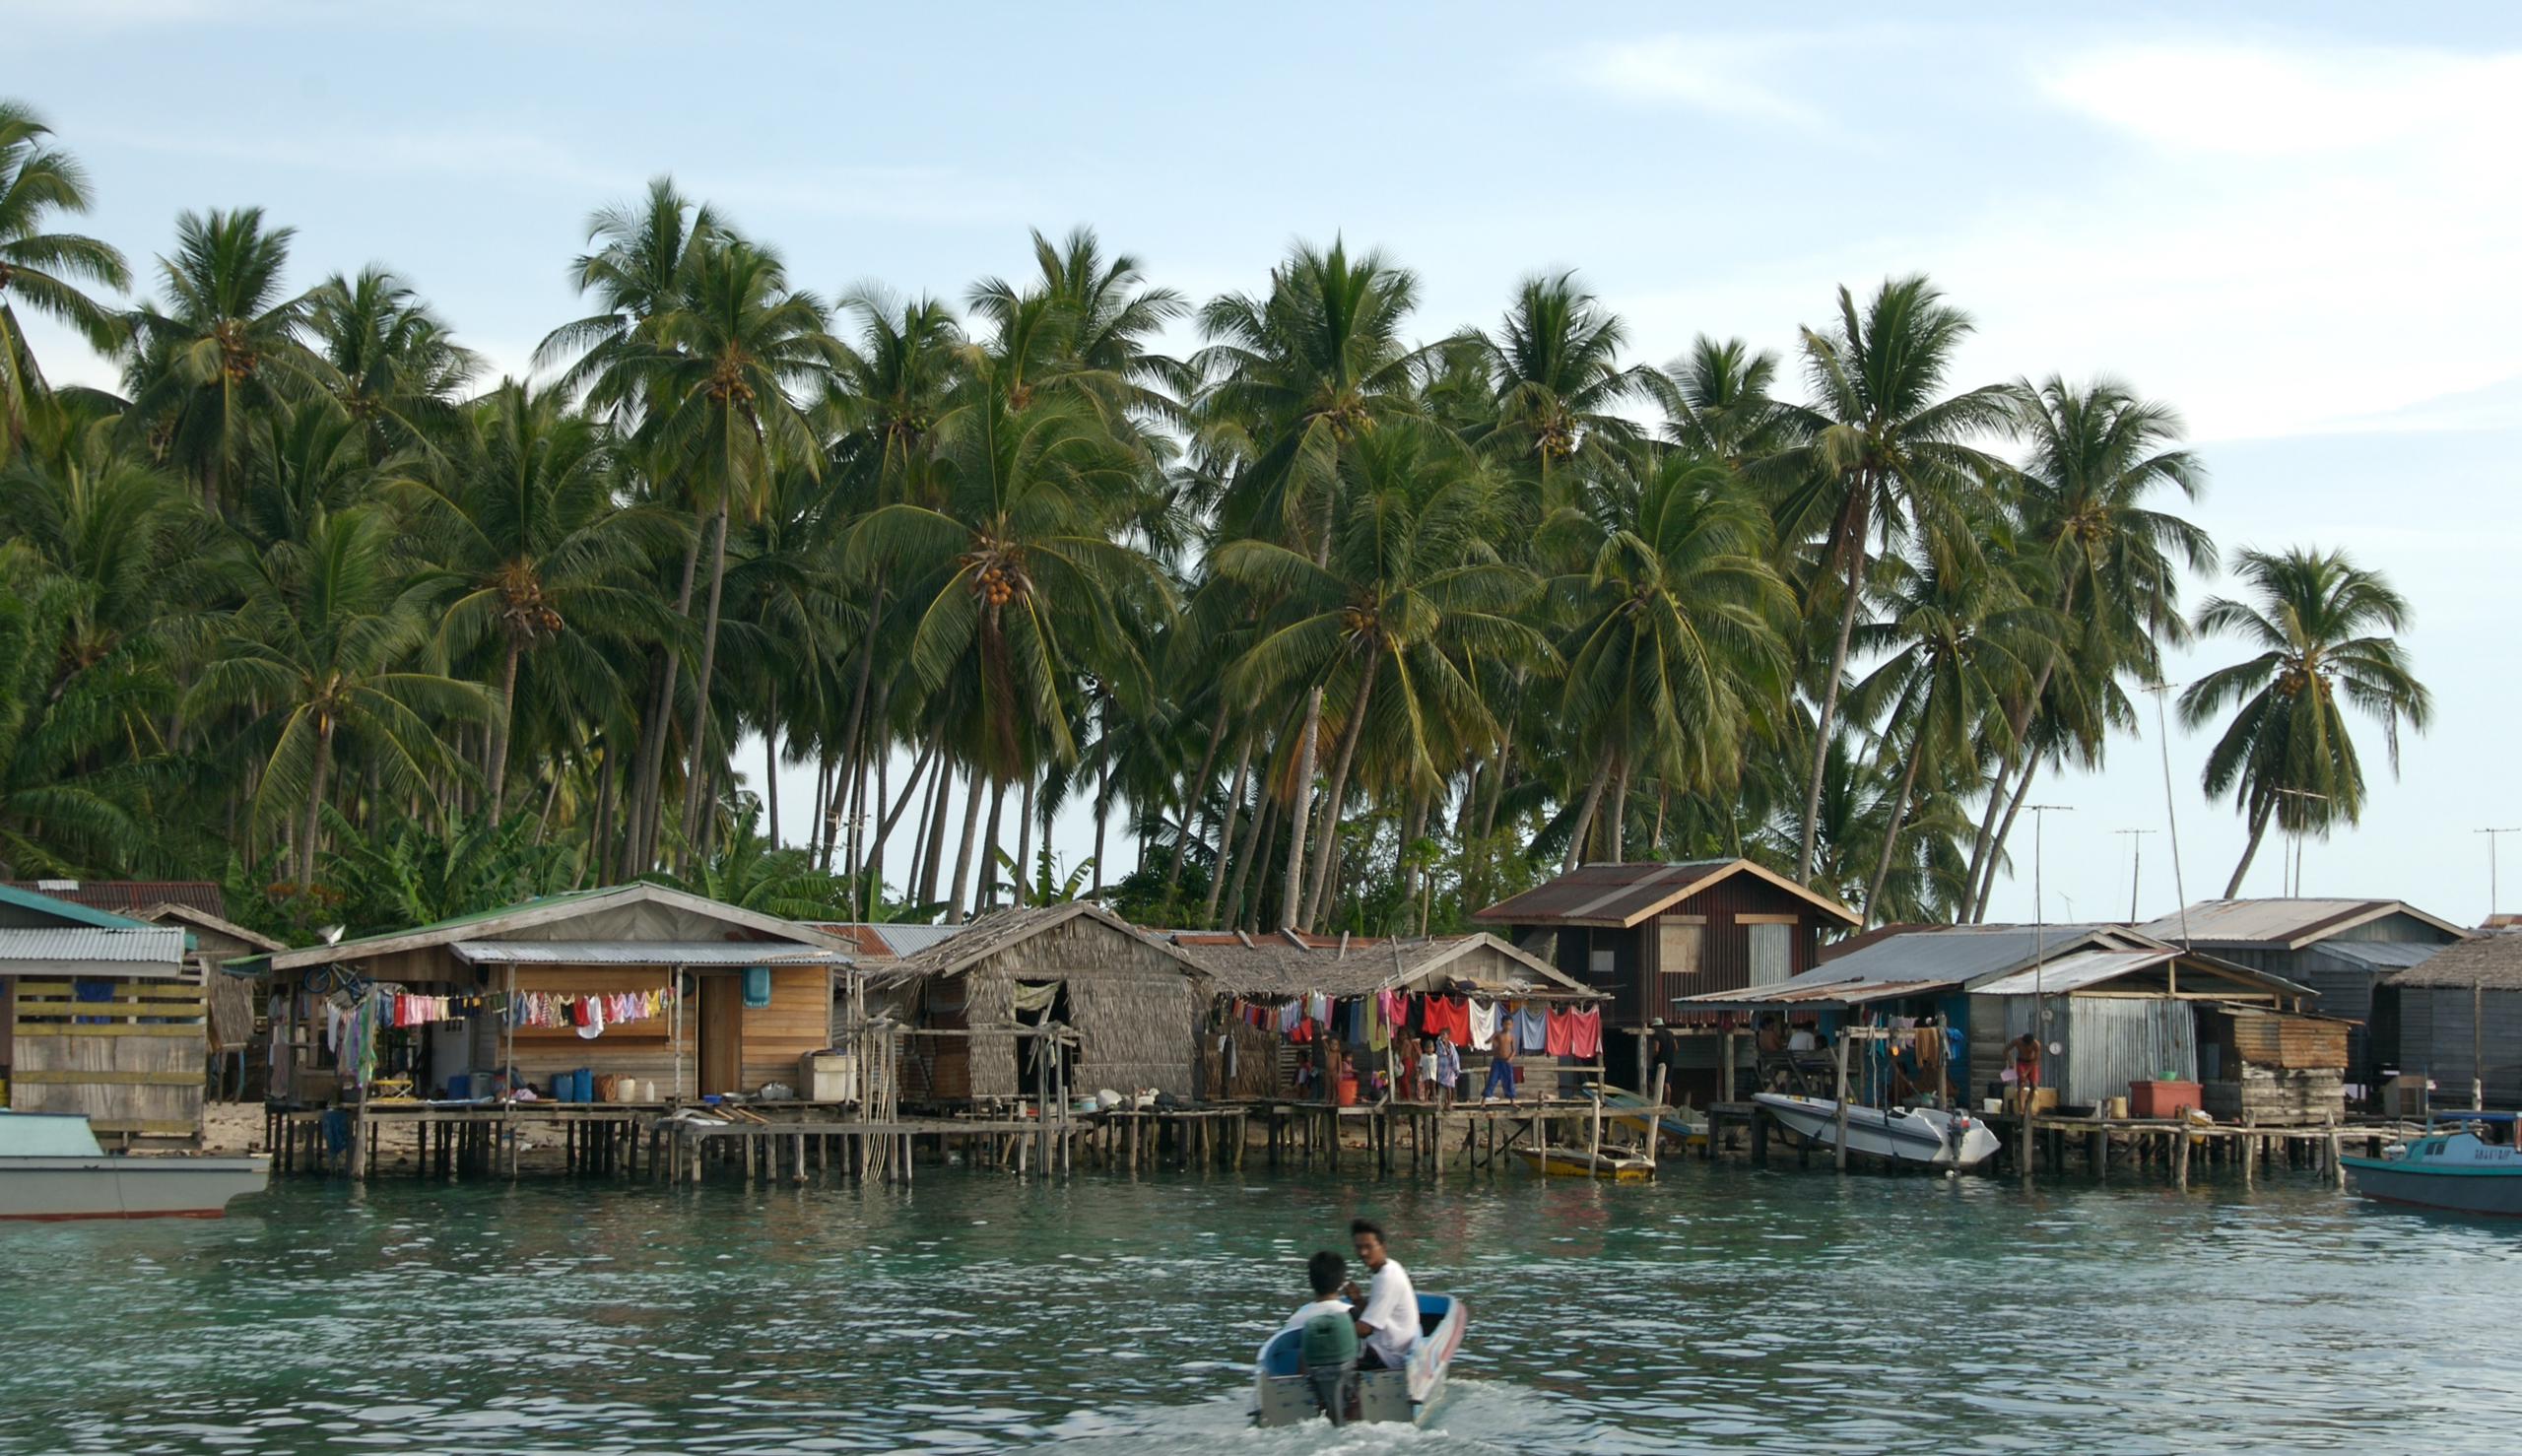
(696, 777)
(1617, 837)
(314, 803)
(770, 764)
(2004, 831)
(1828, 717)
(648, 808)
(497, 772)
(985, 894)
(1891, 831)
(1585, 817)
(817, 844)
(1103, 816)
(1300, 809)
(2258, 829)
(1265, 810)
(1326, 854)
(1226, 834)
(941, 803)
(1267, 829)
(1986, 840)
(1195, 792)
(1024, 842)
(849, 734)
(963, 856)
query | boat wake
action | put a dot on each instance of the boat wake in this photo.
(1473, 1416)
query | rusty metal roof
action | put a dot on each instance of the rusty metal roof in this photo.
(2280, 924)
(1624, 894)
(129, 896)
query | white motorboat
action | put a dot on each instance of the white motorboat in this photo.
(1924, 1136)
(1282, 1396)
(50, 1167)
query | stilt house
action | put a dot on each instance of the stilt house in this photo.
(2456, 1019)
(2342, 949)
(100, 1018)
(673, 994)
(2117, 1005)
(979, 1009)
(1647, 934)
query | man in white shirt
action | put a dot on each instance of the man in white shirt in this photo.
(1389, 1323)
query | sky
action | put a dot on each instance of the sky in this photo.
(2296, 223)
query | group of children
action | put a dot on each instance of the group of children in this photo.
(1424, 1070)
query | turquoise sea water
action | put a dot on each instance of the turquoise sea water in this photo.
(1779, 1310)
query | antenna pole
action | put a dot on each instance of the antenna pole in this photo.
(2136, 866)
(2491, 905)
(2171, 819)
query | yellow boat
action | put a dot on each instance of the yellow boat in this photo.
(1577, 1162)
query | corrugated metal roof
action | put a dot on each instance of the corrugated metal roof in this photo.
(2073, 972)
(1964, 952)
(2384, 955)
(646, 953)
(129, 896)
(118, 946)
(884, 940)
(2277, 923)
(1816, 988)
(1624, 894)
(66, 911)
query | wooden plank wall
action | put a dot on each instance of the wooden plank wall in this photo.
(133, 1064)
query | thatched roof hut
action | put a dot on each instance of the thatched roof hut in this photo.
(1132, 1001)
(2456, 1017)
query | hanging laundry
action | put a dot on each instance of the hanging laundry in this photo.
(1378, 1026)
(1561, 1033)
(1484, 1022)
(1532, 1027)
(1585, 1035)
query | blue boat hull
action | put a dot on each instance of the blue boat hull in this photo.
(2496, 1191)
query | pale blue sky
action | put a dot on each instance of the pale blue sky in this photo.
(2298, 224)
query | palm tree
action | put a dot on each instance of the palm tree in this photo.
(727, 367)
(1954, 636)
(637, 270)
(1013, 578)
(2322, 625)
(1293, 379)
(1676, 651)
(2105, 558)
(1718, 403)
(1560, 384)
(397, 367)
(226, 347)
(44, 267)
(1408, 583)
(1883, 451)
(547, 557)
(319, 657)
(68, 802)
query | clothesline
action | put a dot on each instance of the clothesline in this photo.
(1462, 1022)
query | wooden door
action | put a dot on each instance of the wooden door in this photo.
(722, 1033)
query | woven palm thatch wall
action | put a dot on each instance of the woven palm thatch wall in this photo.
(1135, 1006)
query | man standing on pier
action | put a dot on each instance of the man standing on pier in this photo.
(1389, 1323)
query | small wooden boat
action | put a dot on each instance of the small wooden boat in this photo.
(50, 1167)
(1676, 1122)
(2455, 1171)
(1923, 1136)
(1282, 1396)
(1616, 1164)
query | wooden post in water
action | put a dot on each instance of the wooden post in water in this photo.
(2180, 1158)
(1839, 1158)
